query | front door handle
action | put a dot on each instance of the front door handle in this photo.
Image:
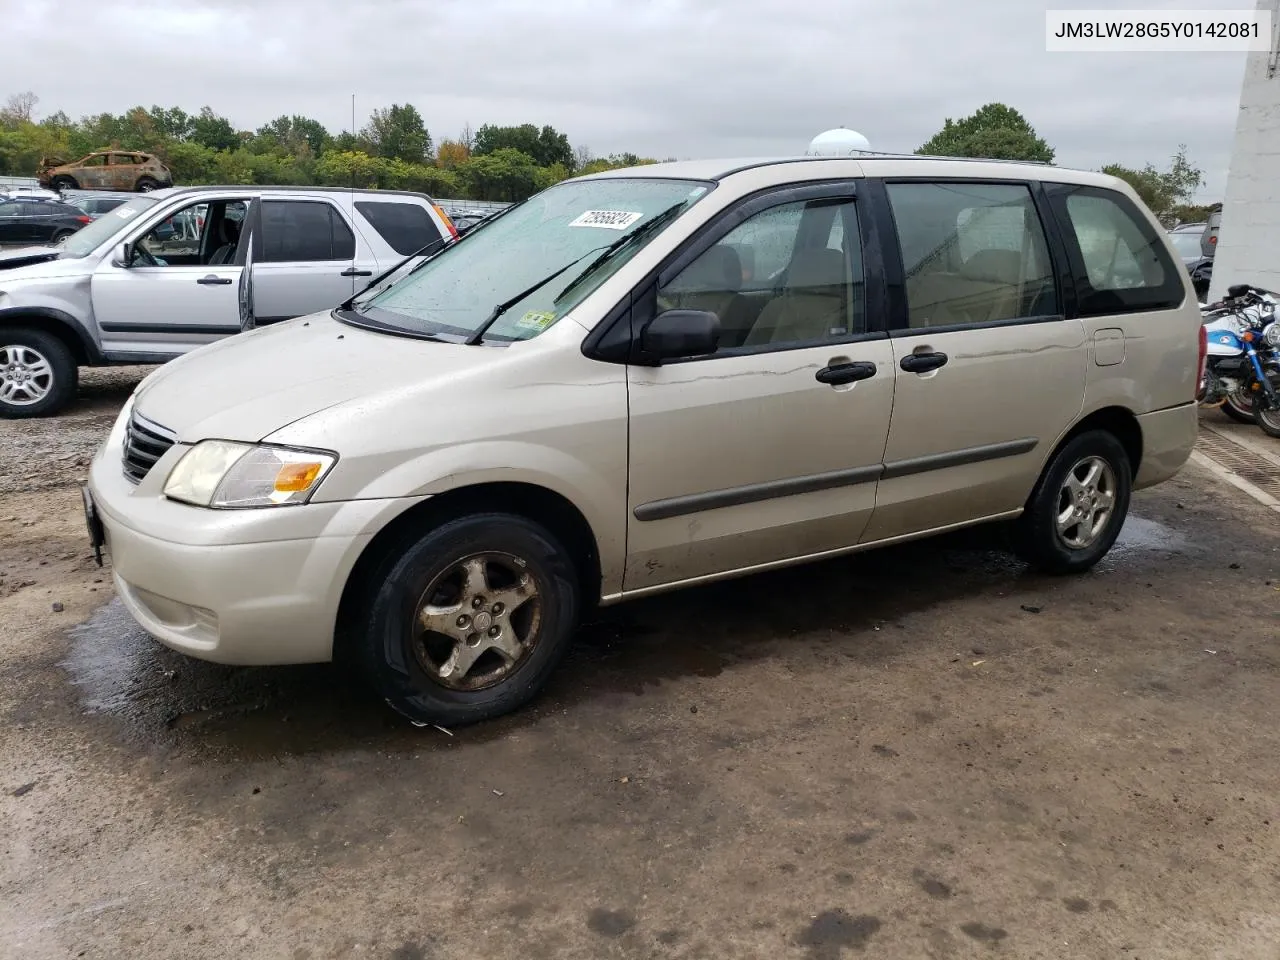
(839, 373)
(212, 281)
(353, 272)
(923, 362)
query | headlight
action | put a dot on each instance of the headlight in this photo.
(219, 473)
(1271, 336)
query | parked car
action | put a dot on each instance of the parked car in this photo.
(97, 206)
(174, 269)
(584, 402)
(1188, 240)
(28, 193)
(1209, 242)
(38, 221)
(106, 170)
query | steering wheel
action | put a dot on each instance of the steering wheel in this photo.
(144, 256)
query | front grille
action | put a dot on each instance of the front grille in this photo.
(145, 442)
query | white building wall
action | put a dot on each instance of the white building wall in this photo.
(1249, 235)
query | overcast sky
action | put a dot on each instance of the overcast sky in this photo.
(684, 78)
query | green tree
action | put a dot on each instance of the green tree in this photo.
(994, 131)
(1162, 190)
(214, 131)
(399, 133)
(546, 146)
(505, 174)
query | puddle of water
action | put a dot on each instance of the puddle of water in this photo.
(1139, 535)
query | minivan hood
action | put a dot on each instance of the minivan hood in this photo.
(248, 386)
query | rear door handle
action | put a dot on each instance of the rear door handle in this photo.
(923, 362)
(212, 281)
(353, 272)
(839, 373)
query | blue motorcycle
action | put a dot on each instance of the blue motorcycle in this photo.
(1242, 363)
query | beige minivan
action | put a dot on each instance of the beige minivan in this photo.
(643, 380)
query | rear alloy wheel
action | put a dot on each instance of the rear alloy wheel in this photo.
(62, 235)
(147, 184)
(1078, 507)
(37, 373)
(469, 622)
(64, 183)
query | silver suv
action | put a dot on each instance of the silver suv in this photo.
(175, 269)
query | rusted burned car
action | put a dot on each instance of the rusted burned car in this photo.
(106, 170)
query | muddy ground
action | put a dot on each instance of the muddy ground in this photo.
(926, 752)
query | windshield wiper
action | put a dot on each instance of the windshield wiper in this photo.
(349, 303)
(657, 220)
(506, 305)
(605, 251)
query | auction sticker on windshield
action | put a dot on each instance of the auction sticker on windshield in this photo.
(608, 219)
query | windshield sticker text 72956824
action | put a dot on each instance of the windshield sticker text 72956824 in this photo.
(608, 219)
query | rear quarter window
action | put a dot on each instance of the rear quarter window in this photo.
(406, 227)
(1119, 260)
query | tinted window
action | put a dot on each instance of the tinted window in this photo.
(1121, 264)
(405, 226)
(972, 253)
(802, 286)
(10, 210)
(294, 230)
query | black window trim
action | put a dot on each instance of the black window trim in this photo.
(258, 243)
(899, 312)
(1056, 194)
(615, 339)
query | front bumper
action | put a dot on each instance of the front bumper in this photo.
(232, 586)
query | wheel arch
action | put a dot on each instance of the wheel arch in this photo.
(539, 504)
(61, 325)
(1120, 422)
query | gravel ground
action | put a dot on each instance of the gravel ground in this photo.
(925, 752)
(45, 454)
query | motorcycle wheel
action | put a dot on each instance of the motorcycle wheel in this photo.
(1268, 418)
(1239, 406)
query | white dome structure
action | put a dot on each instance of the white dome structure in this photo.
(840, 142)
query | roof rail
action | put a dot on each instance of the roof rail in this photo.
(882, 154)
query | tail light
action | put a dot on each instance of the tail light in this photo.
(444, 217)
(1204, 355)
(1213, 241)
(83, 219)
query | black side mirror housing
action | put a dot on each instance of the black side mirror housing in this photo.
(1238, 290)
(677, 334)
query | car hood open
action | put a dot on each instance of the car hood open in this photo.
(249, 386)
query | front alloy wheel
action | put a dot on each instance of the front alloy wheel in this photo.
(468, 621)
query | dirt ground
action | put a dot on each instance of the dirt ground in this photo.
(926, 752)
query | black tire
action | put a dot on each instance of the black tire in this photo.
(147, 184)
(61, 235)
(1236, 413)
(1267, 420)
(62, 386)
(1037, 537)
(64, 183)
(390, 646)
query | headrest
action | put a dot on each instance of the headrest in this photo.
(816, 268)
(717, 269)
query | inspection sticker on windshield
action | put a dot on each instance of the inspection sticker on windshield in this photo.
(536, 320)
(609, 219)
(125, 213)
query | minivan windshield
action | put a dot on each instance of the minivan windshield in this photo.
(93, 235)
(559, 236)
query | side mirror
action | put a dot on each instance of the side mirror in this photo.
(680, 333)
(123, 255)
(1237, 290)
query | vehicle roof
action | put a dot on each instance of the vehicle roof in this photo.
(167, 192)
(1188, 226)
(880, 165)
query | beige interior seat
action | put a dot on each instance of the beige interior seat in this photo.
(814, 305)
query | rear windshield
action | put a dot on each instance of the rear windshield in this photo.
(406, 227)
(92, 236)
(565, 241)
(1187, 242)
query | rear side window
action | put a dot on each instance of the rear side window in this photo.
(972, 253)
(304, 230)
(406, 227)
(1119, 260)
